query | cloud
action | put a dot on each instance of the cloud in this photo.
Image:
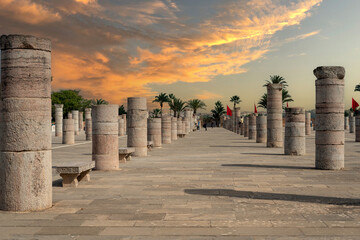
(302, 36)
(205, 95)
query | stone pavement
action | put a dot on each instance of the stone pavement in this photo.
(209, 185)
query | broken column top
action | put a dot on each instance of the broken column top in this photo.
(138, 103)
(24, 42)
(59, 105)
(324, 72)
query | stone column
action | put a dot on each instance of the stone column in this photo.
(121, 126)
(274, 116)
(261, 130)
(81, 121)
(242, 127)
(25, 124)
(69, 131)
(346, 123)
(187, 122)
(166, 129)
(357, 130)
(154, 131)
(87, 113)
(307, 123)
(351, 122)
(125, 122)
(246, 126)
(330, 135)
(294, 131)
(183, 126)
(75, 116)
(252, 126)
(136, 125)
(58, 119)
(237, 120)
(88, 129)
(69, 115)
(105, 144)
(191, 120)
(179, 127)
(173, 128)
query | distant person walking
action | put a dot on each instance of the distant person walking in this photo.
(204, 126)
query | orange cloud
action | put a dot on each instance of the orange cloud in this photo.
(205, 95)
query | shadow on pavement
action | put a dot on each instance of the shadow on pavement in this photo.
(267, 154)
(274, 196)
(224, 146)
(266, 166)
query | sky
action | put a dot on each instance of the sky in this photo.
(206, 49)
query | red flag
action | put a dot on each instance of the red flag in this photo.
(255, 110)
(354, 104)
(287, 105)
(228, 111)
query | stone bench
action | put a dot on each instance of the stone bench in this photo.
(125, 154)
(150, 145)
(73, 173)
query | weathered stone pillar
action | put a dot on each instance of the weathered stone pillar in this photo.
(69, 131)
(136, 125)
(187, 122)
(346, 123)
(351, 122)
(88, 129)
(75, 116)
(184, 126)
(87, 113)
(173, 128)
(261, 130)
(125, 122)
(191, 120)
(307, 123)
(237, 120)
(166, 129)
(69, 115)
(330, 136)
(294, 131)
(58, 119)
(81, 121)
(121, 126)
(252, 126)
(179, 127)
(357, 130)
(154, 131)
(246, 126)
(105, 144)
(242, 127)
(274, 116)
(25, 123)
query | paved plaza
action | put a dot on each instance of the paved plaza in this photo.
(209, 185)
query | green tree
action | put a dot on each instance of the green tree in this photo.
(161, 99)
(99, 101)
(286, 97)
(196, 104)
(235, 99)
(276, 79)
(218, 112)
(122, 110)
(71, 99)
(156, 113)
(263, 101)
(177, 106)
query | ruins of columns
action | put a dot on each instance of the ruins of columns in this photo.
(87, 113)
(58, 119)
(173, 128)
(330, 135)
(25, 120)
(274, 116)
(307, 123)
(187, 121)
(81, 121)
(154, 131)
(75, 116)
(346, 122)
(125, 126)
(166, 129)
(105, 143)
(246, 126)
(294, 131)
(357, 128)
(261, 130)
(137, 125)
(179, 128)
(68, 131)
(88, 129)
(351, 122)
(252, 126)
(237, 120)
(121, 130)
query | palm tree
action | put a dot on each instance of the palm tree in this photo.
(235, 99)
(122, 110)
(218, 111)
(156, 113)
(196, 104)
(276, 79)
(162, 98)
(357, 88)
(99, 101)
(177, 106)
(286, 97)
(263, 101)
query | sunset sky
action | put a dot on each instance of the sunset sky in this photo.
(207, 49)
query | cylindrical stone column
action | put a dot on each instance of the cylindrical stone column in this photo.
(75, 116)
(121, 126)
(274, 116)
(237, 120)
(69, 115)
(25, 123)
(346, 123)
(58, 119)
(137, 125)
(351, 122)
(307, 123)
(184, 126)
(105, 142)
(88, 129)
(179, 127)
(330, 136)
(81, 121)
(252, 126)
(187, 122)
(294, 131)
(246, 126)
(69, 131)
(166, 129)
(261, 130)
(87, 113)
(154, 131)
(242, 126)
(357, 128)
(173, 128)
(125, 126)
